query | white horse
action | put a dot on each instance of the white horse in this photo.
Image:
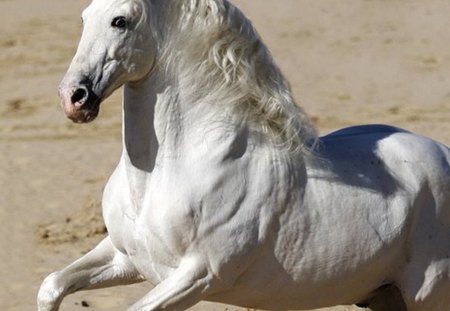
(225, 193)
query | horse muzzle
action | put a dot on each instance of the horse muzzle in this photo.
(80, 103)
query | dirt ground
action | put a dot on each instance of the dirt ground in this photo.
(349, 62)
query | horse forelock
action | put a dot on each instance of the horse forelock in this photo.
(217, 57)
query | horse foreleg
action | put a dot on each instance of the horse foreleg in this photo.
(104, 266)
(186, 286)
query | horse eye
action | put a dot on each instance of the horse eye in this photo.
(119, 22)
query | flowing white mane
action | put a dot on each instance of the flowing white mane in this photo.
(217, 57)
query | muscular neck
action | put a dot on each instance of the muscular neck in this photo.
(140, 144)
(153, 121)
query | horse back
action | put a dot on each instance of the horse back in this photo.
(413, 161)
(364, 130)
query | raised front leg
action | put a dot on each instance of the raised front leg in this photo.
(104, 266)
(187, 285)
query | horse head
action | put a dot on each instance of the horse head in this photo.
(116, 47)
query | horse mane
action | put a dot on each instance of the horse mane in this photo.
(212, 45)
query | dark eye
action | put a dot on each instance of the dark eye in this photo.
(119, 22)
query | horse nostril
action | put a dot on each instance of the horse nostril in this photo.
(79, 96)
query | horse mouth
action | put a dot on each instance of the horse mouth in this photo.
(83, 115)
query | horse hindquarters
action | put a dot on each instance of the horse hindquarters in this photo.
(425, 280)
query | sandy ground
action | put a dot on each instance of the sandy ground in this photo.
(349, 62)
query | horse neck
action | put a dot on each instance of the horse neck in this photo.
(157, 120)
(148, 107)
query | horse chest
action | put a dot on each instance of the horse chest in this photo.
(189, 203)
(152, 222)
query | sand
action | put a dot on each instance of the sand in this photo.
(349, 62)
